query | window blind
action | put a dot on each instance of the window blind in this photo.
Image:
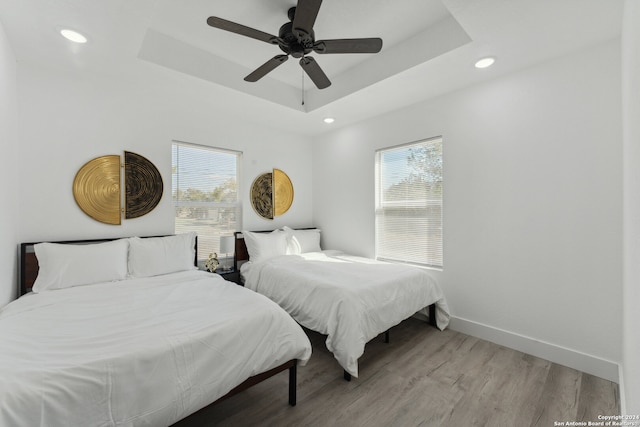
(205, 189)
(408, 207)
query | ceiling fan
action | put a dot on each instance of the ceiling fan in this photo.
(297, 38)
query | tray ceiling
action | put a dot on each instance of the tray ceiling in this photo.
(429, 48)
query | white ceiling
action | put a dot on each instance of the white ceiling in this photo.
(429, 47)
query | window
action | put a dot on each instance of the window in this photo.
(205, 183)
(409, 203)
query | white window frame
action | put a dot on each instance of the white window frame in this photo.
(416, 240)
(208, 234)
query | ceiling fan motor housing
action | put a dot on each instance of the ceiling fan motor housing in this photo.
(290, 44)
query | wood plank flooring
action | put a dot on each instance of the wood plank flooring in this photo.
(423, 377)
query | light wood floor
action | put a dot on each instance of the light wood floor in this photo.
(423, 377)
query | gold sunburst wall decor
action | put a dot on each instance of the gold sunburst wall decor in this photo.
(271, 194)
(97, 187)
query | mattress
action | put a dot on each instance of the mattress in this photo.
(348, 298)
(137, 352)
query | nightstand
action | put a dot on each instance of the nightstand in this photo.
(230, 275)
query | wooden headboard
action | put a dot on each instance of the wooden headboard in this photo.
(241, 253)
(29, 262)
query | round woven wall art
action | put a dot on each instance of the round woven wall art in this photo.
(272, 194)
(96, 189)
(262, 195)
(143, 185)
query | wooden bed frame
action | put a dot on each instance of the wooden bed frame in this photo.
(242, 254)
(29, 272)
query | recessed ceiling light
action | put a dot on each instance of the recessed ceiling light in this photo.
(485, 62)
(74, 36)
(329, 120)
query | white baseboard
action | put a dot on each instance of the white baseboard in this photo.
(563, 356)
(623, 405)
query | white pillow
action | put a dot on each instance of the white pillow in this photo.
(67, 265)
(153, 256)
(302, 241)
(262, 246)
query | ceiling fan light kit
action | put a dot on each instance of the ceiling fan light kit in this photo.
(296, 38)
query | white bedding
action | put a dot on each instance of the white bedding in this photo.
(350, 299)
(137, 352)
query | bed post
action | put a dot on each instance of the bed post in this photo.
(432, 315)
(240, 253)
(293, 374)
(347, 376)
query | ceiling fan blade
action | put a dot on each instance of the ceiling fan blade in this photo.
(266, 68)
(223, 24)
(305, 17)
(315, 73)
(372, 45)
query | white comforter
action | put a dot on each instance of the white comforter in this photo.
(137, 352)
(350, 299)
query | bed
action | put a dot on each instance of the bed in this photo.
(94, 342)
(349, 299)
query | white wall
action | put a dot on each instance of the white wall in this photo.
(69, 119)
(631, 132)
(532, 209)
(8, 171)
